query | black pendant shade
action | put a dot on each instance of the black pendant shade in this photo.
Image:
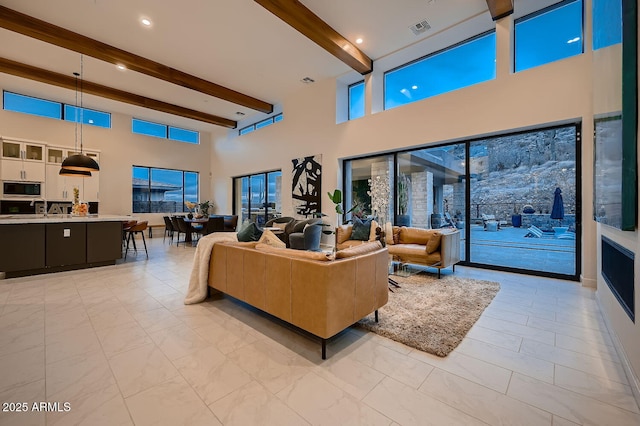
(81, 163)
(74, 173)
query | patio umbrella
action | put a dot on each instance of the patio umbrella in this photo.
(557, 211)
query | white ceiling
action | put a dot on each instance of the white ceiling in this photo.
(235, 43)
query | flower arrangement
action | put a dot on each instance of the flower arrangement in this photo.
(78, 208)
(202, 208)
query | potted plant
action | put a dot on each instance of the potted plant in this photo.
(403, 219)
(203, 208)
(336, 198)
(516, 217)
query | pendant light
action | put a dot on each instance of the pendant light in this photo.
(79, 162)
(74, 173)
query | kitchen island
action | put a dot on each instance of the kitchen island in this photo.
(37, 244)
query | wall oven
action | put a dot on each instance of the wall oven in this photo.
(21, 189)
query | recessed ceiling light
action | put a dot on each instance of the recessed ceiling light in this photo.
(414, 87)
(146, 22)
(573, 40)
(358, 41)
(240, 113)
(307, 80)
(121, 67)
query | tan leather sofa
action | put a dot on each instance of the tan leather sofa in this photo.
(437, 248)
(311, 290)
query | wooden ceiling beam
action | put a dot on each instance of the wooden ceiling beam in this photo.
(313, 27)
(18, 69)
(500, 8)
(44, 31)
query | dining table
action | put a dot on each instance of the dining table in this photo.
(191, 222)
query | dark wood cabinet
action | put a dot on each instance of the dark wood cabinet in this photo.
(22, 247)
(66, 244)
(104, 241)
(46, 245)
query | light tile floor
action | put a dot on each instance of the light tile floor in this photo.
(120, 347)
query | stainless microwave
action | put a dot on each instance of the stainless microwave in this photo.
(21, 189)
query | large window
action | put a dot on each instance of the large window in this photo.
(462, 65)
(56, 110)
(607, 23)
(260, 124)
(549, 35)
(87, 116)
(163, 190)
(163, 131)
(257, 197)
(356, 100)
(502, 193)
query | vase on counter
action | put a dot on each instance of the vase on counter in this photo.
(80, 209)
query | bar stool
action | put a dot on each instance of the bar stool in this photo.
(138, 228)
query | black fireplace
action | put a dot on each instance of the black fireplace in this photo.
(618, 272)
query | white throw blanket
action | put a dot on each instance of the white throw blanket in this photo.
(197, 291)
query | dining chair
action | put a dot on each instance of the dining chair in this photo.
(176, 228)
(168, 229)
(185, 228)
(138, 228)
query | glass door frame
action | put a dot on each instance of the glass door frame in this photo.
(467, 213)
(237, 210)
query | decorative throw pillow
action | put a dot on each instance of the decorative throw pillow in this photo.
(388, 233)
(396, 234)
(372, 230)
(361, 230)
(434, 242)
(280, 225)
(249, 232)
(270, 238)
(343, 233)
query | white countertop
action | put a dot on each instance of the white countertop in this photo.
(17, 219)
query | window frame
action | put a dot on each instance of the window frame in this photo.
(430, 55)
(149, 181)
(537, 13)
(167, 131)
(276, 118)
(237, 210)
(352, 86)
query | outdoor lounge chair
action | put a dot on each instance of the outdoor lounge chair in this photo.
(448, 221)
(490, 218)
(535, 232)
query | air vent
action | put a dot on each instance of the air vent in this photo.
(307, 80)
(420, 27)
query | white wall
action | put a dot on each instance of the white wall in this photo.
(626, 334)
(120, 150)
(554, 93)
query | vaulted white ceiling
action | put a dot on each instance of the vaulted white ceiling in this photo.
(234, 43)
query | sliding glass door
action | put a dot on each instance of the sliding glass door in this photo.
(514, 198)
(431, 188)
(524, 201)
(257, 197)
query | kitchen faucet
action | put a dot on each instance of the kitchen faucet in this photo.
(46, 211)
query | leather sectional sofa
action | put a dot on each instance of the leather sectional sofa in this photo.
(437, 248)
(317, 292)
